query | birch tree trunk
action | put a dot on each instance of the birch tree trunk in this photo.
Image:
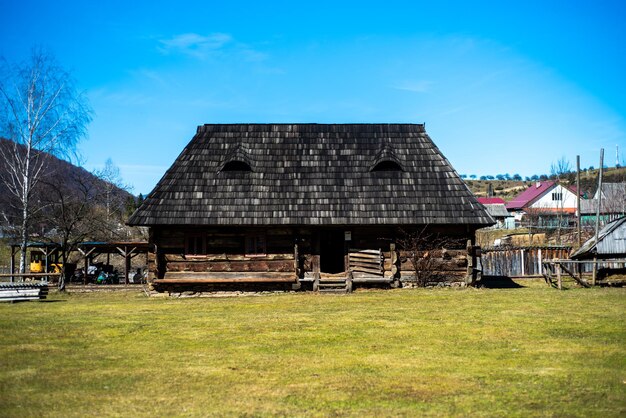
(41, 112)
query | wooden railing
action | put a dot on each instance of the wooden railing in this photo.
(367, 261)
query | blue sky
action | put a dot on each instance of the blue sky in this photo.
(503, 87)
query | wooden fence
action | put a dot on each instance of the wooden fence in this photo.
(519, 262)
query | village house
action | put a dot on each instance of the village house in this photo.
(496, 207)
(612, 199)
(305, 205)
(544, 204)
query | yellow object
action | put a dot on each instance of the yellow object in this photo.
(36, 267)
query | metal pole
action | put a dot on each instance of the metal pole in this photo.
(578, 199)
(598, 211)
(12, 262)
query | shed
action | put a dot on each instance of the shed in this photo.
(610, 244)
(502, 216)
(288, 203)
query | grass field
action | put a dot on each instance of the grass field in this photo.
(532, 351)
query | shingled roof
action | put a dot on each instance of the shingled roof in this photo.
(311, 174)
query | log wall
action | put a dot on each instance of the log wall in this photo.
(450, 264)
(290, 252)
(225, 251)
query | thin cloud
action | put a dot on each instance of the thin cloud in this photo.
(421, 86)
(194, 45)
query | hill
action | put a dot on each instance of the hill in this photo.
(59, 175)
(508, 189)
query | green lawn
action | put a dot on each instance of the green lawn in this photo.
(532, 351)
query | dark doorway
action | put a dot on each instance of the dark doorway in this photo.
(332, 251)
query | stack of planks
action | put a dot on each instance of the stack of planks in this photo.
(14, 292)
(367, 261)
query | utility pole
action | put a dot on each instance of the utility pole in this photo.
(598, 211)
(578, 199)
(578, 211)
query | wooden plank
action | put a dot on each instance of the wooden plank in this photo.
(370, 279)
(353, 251)
(367, 270)
(217, 281)
(368, 265)
(225, 275)
(365, 256)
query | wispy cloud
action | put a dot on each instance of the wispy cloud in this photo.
(194, 45)
(203, 46)
(121, 98)
(420, 86)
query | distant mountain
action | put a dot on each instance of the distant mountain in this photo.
(58, 173)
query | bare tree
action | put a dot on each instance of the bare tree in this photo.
(43, 112)
(428, 254)
(114, 199)
(561, 170)
(74, 211)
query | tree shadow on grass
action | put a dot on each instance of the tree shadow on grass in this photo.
(499, 282)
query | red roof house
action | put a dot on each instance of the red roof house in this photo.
(548, 196)
(491, 200)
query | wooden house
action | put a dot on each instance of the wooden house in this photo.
(283, 205)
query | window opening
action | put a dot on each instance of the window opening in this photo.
(195, 244)
(256, 245)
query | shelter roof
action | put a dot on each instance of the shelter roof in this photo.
(497, 210)
(613, 200)
(113, 246)
(491, 200)
(611, 242)
(311, 174)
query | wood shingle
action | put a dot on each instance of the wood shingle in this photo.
(311, 174)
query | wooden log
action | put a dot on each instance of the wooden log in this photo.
(249, 265)
(228, 274)
(353, 251)
(227, 257)
(224, 281)
(296, 261)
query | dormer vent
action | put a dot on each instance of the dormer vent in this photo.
(387, 165)
(236, 160)
(386, 160)
(236, 165)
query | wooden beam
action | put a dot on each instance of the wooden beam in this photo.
(226, 281)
